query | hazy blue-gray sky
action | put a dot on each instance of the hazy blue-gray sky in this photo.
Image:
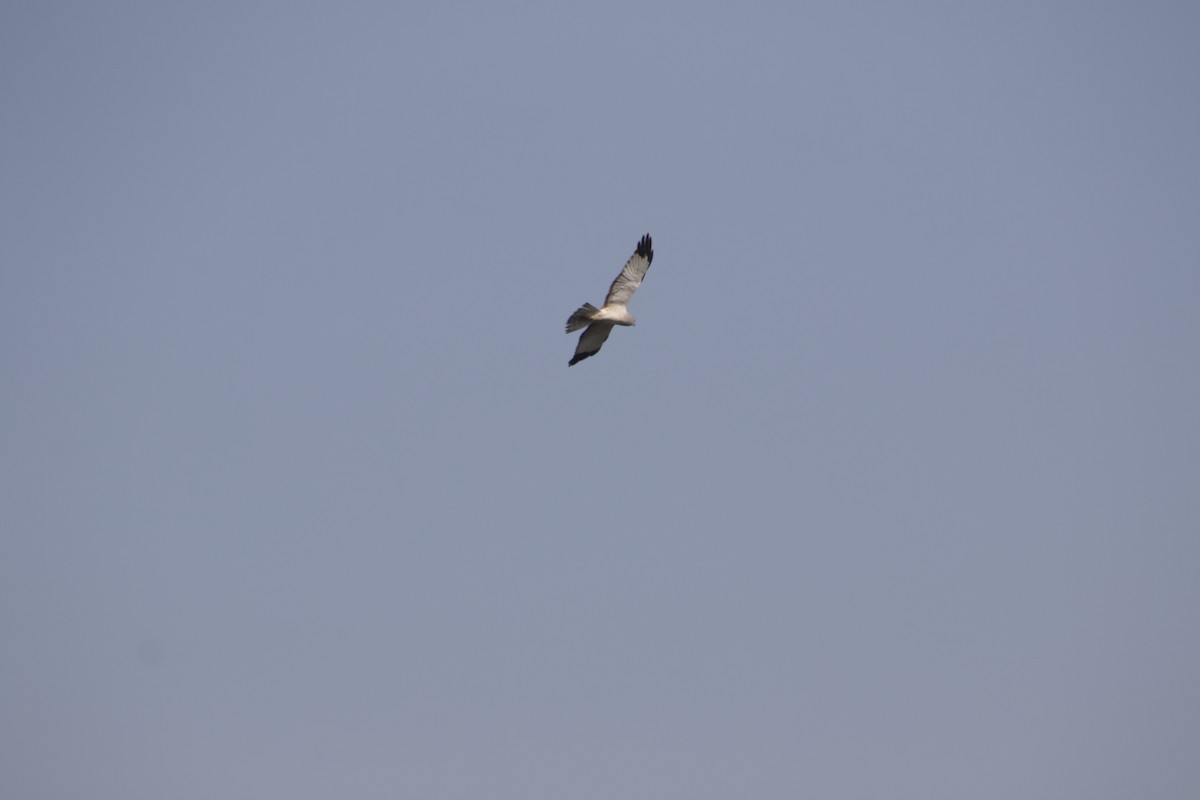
(891, 493)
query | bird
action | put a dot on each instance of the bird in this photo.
(600, 321)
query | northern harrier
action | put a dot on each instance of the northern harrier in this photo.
(600, 321)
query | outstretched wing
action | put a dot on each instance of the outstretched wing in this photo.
(631, 276)
(590, 341)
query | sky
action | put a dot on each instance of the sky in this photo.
(892, 492)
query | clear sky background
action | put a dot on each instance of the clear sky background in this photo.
(893, 492)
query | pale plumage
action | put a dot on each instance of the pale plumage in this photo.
(600, 321)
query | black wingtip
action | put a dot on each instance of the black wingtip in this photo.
(644, 249)
(580, 357)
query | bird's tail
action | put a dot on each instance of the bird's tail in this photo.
(581, 318)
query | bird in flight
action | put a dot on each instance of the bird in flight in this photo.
(600, 321)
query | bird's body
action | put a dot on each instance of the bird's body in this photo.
(599, 322)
